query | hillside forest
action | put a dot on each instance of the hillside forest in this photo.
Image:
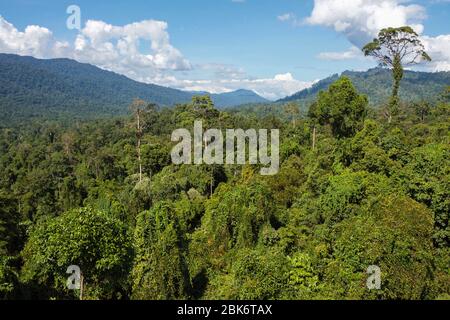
(354, 190)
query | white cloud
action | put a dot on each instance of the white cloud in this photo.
(117, 48)
(110, 47)
(350, 54)
(279, 86)
(284, 77)
(34, 41)
(439, 50)
(361, 20)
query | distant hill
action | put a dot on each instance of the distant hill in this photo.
(30, 86)
(377, 85)
(234, 98)
(237, 98)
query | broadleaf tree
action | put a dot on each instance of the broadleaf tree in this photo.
(395, 48)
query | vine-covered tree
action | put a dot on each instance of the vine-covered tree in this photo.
(422, 109)
(395, 48)
(293, 111)
(341, 107)
(159, 270)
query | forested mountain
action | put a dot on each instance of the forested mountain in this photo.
(377, 85)
(37, 88)
(30, 86)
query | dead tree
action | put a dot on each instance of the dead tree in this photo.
(137, 107)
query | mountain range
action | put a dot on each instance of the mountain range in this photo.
(36, 86)
(377, 85)
(44, 89)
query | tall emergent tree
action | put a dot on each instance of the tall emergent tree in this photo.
(395, 48)
(137, 107)
(293, 111)
(341, 107)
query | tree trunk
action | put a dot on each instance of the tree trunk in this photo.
(139, 134)
(398, 76)
(314, 139)
(211, 186)
(81, 286)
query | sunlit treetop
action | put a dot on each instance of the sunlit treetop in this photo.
(397, 43)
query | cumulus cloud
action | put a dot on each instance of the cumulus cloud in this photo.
(439, 50)
(114, 48)
(279, 86)
(361, 20)
(117, 48)
(33, 41)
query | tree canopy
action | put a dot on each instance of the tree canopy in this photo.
(396, 48)
(368, 194)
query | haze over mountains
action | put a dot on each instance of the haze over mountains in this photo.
(31, 87)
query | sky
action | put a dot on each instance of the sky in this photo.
(273, 47)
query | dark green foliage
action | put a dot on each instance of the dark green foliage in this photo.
(427, 178)
(235, 215)
(8, 278)
(253, 275)
(160, 270)
(10, 233)
(95, 241)
(394, 234)
(341, 107)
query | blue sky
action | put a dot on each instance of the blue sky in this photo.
(274, 47)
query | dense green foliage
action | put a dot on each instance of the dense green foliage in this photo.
(341, 107)
(370, 193)
(92, 239)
